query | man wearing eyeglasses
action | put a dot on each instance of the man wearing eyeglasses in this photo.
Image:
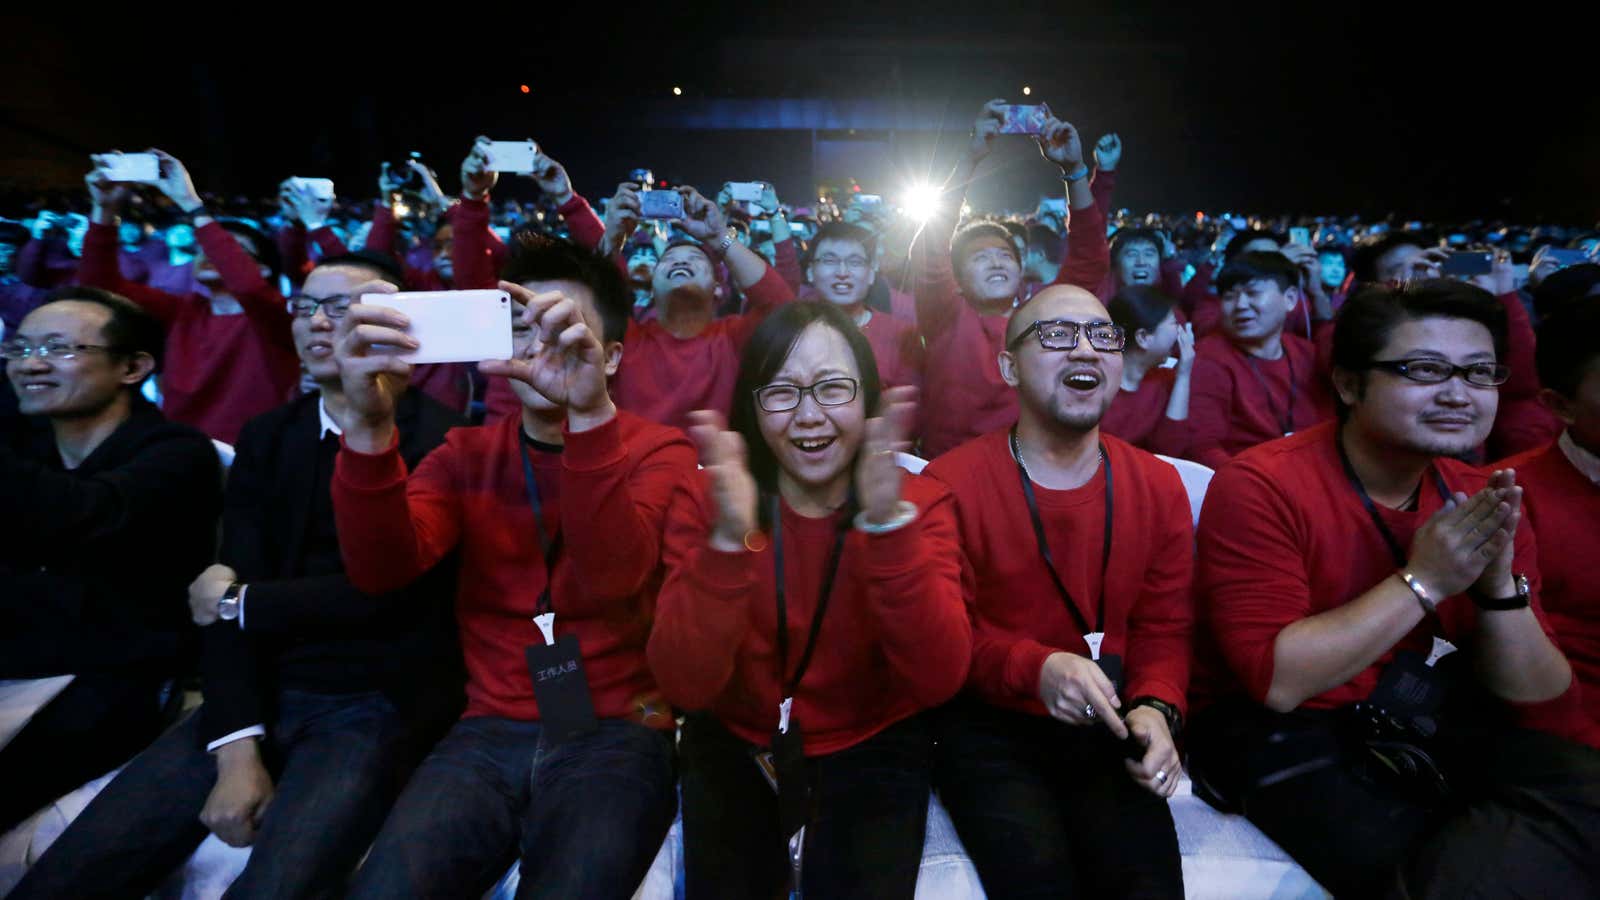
(106, 511)
(1379, 690)
(318, 697)
(1057, 762)
(842, 268)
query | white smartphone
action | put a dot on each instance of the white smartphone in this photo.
(746, 191)
(318, 188)
(512, 156)
(453, 326)
(138, 168)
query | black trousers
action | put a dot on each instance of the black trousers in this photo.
(1047, 810)
(1523, 818)
(864, 839)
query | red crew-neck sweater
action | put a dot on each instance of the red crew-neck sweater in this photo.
(1563, 507)
(894, 640)
(1140, 417)
(1237, 401)
(226, 363)
(608, 492)
(898, 349)
(1018, 617)
(1283, 536)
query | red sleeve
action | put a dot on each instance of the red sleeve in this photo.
(291, 241)
(703, 609)
(1161, 623)
(761, 299)
(787, 262)
(1211, 390)
(1519, 350)
(469, 248)
(1252, 580)
(328, 242)
(1172, 277)
(1088, 255)
(913, 577)
(99, 268)
(614, 534)
(381, 237)
(1174, 437)
(241, 276)
(938, 296)
(393, 528)
(497, 247)
(1101, 185)
(583, 224)
(1196, 291)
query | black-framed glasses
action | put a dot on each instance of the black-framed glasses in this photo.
(827, 392)
(1437, 371)
(1062, 334)
(18, 349)
(334, 306)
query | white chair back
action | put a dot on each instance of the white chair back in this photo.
(912, 464)
(1196, 478)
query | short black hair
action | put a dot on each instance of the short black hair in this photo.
(1258, 265)
(130, 330)
(538, 257)
(1135, 235)
(1043, 238)
(1237, 243)
(844, 231)
(266, 249)
(1564, 286)
(1567, 346)
(1365, 262)
(967, 234)
(386, 266)
(1140, 306)
(1366, 320)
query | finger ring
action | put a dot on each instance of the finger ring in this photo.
(1161, 777)
(1088, 711)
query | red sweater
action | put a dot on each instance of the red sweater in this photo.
(1017, 615)
(897, 347)
(1284, 536)
(1522, 423)
(222, 367)
(1232, 410)
(468, 496)
(1140, 417)
(964, 395)
(1564, 509)
(894, 641)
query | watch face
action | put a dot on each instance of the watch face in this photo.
(228, 608)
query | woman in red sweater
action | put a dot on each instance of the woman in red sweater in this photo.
(1151, 410)
(811, 611)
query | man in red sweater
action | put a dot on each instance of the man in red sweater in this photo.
(1254, 382)
(1339, 571)
(1562, 484)
(565, 750)
(1057, 764)
(842, 267)
(230, 354)
(968, 281)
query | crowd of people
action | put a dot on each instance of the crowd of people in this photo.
(678, 555)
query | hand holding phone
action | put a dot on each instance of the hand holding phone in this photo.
(1021, 119)
(1467, 263)
(518, 157)
(660, 205)
(452, 326)
(131, 168)
(1300, 236)
(746, 191)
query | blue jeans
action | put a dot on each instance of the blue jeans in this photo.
(336, 763)
(586, 817)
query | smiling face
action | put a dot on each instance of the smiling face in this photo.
(842, 272)
(681, 266)
(1072, 388)
(815, 445)
(82, 387)
(314, 337)
(1254, 311)
(1138, 262)
(990, 273)
(1447, 419)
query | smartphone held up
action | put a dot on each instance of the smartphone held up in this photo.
(453, 326)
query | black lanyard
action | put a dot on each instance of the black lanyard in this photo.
(1044, 545)
(1285, 423)
(549, 546)
(1395, 549)
(822, 600)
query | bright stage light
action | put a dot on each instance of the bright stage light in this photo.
(920, 202)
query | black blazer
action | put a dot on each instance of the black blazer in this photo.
(95, 562)
(318, 632)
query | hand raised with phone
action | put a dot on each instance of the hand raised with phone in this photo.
(622, 217)
(985, 130)
(477, 179)
(560, 356)
(552, 179)
(371, 339)
(702, 220)
(1061, 144)
(107, 196)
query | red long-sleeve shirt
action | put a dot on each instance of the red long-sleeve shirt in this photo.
(222, 367)
(1563, 507)
(1140, 417)
(1237, 401)
(1019, 618)
(1522, 423)
(607, 491)
(894, 641)
(1284, 536)
(964, 395)
(292, 253)
(898, 349)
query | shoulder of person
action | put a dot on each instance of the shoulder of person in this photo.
(1151, 470)
(643, 436)
(960, 465)
(924, 490)
(1215, 348)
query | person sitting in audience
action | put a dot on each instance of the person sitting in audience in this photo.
(751, 641)
(1561, 485)
(1254, 382)
(317, 698)
(232, 356)
(1151, 411)
(565, 750)
(842, 269)
(1057, 763)
(1339, 571)
(106, 512)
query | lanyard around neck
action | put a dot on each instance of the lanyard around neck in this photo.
(1044, 544)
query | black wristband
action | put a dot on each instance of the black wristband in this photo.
(1521, 598)
(193, 214)
(1167, 710)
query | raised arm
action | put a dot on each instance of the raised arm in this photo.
(938, 297)
(1088, 257)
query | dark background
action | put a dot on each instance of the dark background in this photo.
(1435, 113)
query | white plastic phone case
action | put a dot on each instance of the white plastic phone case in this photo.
(453, 326)
(512, 156)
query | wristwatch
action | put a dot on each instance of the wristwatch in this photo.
(228, 606)
(728, 237)
(1167, 710)
(1519, 599)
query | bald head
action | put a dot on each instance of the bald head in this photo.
(1059, 301)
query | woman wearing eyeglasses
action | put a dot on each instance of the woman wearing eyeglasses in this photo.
(1151, 411)
(804, 754)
